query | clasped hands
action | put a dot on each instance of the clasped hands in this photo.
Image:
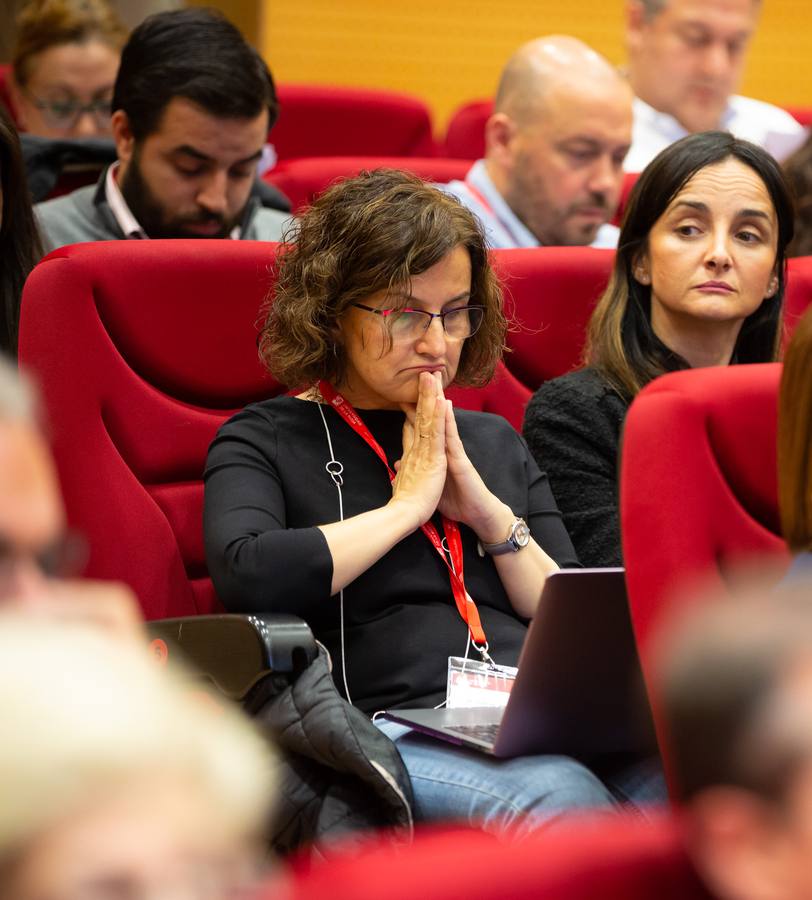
(435, 473)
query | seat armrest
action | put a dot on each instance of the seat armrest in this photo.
(236, 651)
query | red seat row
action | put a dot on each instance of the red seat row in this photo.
(613, 858)
(330, 120)
(143, 348)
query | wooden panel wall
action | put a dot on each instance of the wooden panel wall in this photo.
(450, 51)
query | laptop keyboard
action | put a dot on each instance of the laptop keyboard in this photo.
(483, 732)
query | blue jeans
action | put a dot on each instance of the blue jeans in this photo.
(514, 796)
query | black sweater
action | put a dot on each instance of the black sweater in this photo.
(572, 426)
(267, 489)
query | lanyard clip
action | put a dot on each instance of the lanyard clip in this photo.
(482, 650)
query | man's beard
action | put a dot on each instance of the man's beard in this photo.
(152, 217)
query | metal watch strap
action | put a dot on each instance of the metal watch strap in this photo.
(510, 544)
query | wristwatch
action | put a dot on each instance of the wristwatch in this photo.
(518, 537)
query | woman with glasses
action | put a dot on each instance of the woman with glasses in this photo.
(64, 67)
(369, 506)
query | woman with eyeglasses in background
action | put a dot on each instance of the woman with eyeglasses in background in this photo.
(64, 66)
(363, 503)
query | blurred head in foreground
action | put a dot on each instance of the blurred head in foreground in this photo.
(38, 553)
(116, 781)
(736, 693)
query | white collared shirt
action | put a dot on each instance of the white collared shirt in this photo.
(502, 227)
(123, 214)
(118, 206)
(770, 127)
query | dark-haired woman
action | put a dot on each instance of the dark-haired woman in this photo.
(698, 280)
(366, 503)
(19, 240)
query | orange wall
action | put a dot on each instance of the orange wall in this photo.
(450, 51)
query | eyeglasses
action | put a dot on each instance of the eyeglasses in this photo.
(407, 323)
(62, 557)
(66, 113)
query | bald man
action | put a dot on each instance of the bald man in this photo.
(554, 149)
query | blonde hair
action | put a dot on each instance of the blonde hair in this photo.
(795, 439)
(84, 715)
(43, 24)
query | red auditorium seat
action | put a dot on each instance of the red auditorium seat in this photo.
(802, 114)
(505, 395)
(301, 180)
(609, 859)
(799, 292)
(629, 181)
(698, 484)
(142, 349)
(550, 293)
(465, 134)
(324, 120)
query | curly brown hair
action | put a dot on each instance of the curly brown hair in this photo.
(363, 235)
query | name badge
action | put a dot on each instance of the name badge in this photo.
(472, 682)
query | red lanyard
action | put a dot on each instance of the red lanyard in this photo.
(465, 605)
(483, 201)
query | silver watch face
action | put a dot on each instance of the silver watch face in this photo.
(521, 533)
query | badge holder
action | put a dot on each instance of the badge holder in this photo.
(474, 683)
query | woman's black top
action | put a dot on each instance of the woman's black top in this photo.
(266, 490)
(572, 426)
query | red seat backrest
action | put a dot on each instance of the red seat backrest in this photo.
(302, 180)
(465, 134)
(798, 293)
(550, 294)
(615, 858)
(142, 349)
(802, 114)
(629, 181)
(505, 395)
(698, 484)
(326, 120)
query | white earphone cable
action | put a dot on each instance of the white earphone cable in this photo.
(335, 470)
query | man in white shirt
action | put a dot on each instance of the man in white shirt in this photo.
(554, 149)
(685, 61)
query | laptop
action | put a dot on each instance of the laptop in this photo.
(579, 689)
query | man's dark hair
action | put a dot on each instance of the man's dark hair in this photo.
(197, 54)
